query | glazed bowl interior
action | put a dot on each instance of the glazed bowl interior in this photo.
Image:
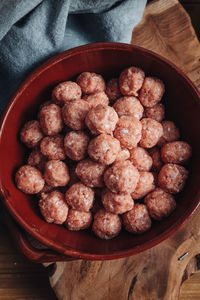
(182, 106)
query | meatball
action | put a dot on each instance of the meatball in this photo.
(176, 152)
(106, 225)
(74, 114)
(160, 204)
(151, 132)
(123, 154)
(130, 81)
(37, 159)
(104, 149)
(52, 147)
(31, 134)
(116, 203)
(113, 90)
(156, 157)
(121, 177)
(91, 83)
(75, 144)
(140, 159)
(101, 119)
(53, 207)
(128, 131)
(172, 178)
(96, 99)
(144, 186)
(137, 220)
(78, 220)
(90, 173)
(129, 106)
(66, 91)
(29, 180)
(157, 112)
(56, 173)
(170, 133)
(80, 197)
(51, 119)
(151, 92)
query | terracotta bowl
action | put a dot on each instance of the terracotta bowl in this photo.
(182, 106)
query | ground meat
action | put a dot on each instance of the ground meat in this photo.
(51, 119)
(160, 204)
(37, 159)
(156, 157)
(80, 197)
(172, 178)
(101, 119)
(151, 92)
(170, 133)
(56, 173)
(121, 177)
(53, 207)
(78, 220)
(157, 112)
(74, 114)
(52, 147)
(113, 90)
(96, 99)
(75, 144)
(176, 152)
(137, 220)
(128, 131)
(31, 134)
(151, 132)
(104, 149)
(129, 106)
(66, 91)
(140, 159)
(123, 154)
(116, 203)
(91, 83)
(130, 81)
(29, 180)
(106, 225)
(90, 173)
(144, 186)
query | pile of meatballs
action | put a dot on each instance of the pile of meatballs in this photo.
(103, 155)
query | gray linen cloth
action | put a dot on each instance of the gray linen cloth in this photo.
(31, 31)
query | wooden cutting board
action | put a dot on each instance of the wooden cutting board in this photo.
(159, 272)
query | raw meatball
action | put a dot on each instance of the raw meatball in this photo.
(37, 159)
(50, 119)
(90, 173)
(137, 220)
(130, 81)
(123, 154)
(80, 197)
(104, 149)
(53, 207)
(176, 152)
(78, 220)
(96, 99)
(128, 131)
(121, 177)
(156, 157)
(170, 133)
(91, 83)
(160, 204)
(101, 119)
(151, 92)
(116, 203)
(144, 186)
(31, 134)
(113, 90)
(157, 112)
(76, 143)
(56, 173)
(74, 114)
(29, 180)
(151, 132)
(141, 159)
(66, 91)
(106, 225)
(129, 106)
(172, 178)
(52, 147)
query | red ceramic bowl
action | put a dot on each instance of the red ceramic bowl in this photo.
(182, 106)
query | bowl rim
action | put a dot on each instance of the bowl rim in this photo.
(31, 77)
